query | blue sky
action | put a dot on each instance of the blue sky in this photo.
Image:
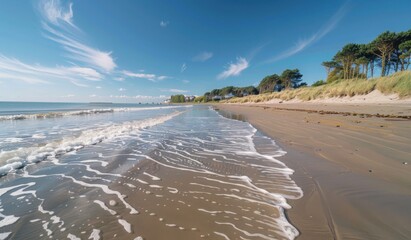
(145, 51)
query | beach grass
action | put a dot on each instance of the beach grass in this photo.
(397, 83)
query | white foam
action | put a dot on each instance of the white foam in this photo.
(172, 190)
(154, 178)
(95, 235)
(24, 156)
(3, 236)
(222, 235)
(73, 237)
(81, 112)
(38, 136)
(103, 206)
(8, 220)
(125, 225)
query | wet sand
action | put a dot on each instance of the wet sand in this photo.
(352, 163)
(195, 176)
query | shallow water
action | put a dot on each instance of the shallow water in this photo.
(169, 173)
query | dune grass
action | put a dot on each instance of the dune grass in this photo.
(398, 83)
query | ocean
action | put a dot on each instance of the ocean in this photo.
(136, 171)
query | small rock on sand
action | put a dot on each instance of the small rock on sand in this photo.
(112, 203)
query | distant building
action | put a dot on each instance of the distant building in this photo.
(228, 96)
(245, 93)
(216, 98)
(167, 101)
(189, 98)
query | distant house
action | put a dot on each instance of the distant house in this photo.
(228, 96)
(216, 98)
(189, 98)
(245, 94)
(166, 101)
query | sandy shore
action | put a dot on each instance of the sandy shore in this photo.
(352, 164)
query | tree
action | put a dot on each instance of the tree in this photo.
(177, 98)
(329, 66)
(405, 56)
(268, 83)
(291, 78)
(207, 96)
(346, 57)
(384, 47)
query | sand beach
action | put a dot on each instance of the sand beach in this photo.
(350, 160)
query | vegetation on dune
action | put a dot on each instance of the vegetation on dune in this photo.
(349, 73)
(398, 83)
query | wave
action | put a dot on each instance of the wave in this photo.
(18, 158)
(80, 113)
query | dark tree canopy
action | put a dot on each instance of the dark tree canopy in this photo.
(291, 78)
(267, 84)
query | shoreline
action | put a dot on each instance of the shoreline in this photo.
(352, 168)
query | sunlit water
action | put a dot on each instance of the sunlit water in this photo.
(174, 172)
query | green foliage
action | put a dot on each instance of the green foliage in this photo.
(318, 83)
(177, 98)
(200, 99)
(267, 84)
(291, 78)
(236, 91)
(398, 83)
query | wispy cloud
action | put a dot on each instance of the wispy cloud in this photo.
(183, 67)
(234, 69)
(122, 89)
(164, 24)
(140, 97)
(161, 78)
(324, 30)
(202, 57)
(58, 23)
(68, 96)
(185, 81)
(11, 68)
(98, 87)
(173, 90)
(148, 76)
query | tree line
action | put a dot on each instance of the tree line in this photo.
(390, 51)
(289, 78)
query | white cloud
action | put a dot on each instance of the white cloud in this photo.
(64, 32)
(140, 97)
(202, 57)
(68, 96)
(234, 69)
(122, 89)
(11, 68)
(148, 76)
(93, 95)
(173, 90)
(87, 73)
(120, 79)
(164, 23)
(185, 81)
(78, 84)
(54, 13)
(162, 78)
(304, 43)
(98, 87)
(183, 67)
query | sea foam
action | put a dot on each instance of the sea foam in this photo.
(18, 158)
